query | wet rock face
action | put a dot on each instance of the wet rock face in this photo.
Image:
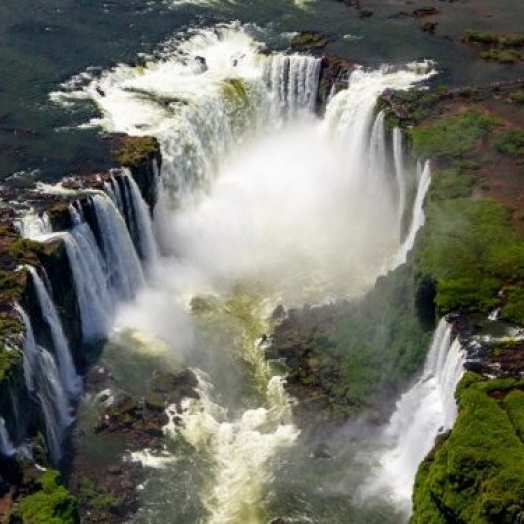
(108, 488)
(334, 74)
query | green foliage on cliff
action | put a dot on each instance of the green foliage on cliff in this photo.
(469, 249)
(26, 251)
(382, 339)
(476, 476)
(135, 150)
(510, 142)
(51, 504)
(452, 136)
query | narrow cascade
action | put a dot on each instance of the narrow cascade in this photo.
(123, 267)
(378, 158)
(400, 173)
(33, 225)
(43, 380)
(427, 409)
(90, 281)
(69, 377)
(6, 446)
(144, 225)
(418, 217)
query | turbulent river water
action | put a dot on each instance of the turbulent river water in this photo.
(261, 203)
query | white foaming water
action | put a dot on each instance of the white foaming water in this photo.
(69, 377)
(427, 409)
(6, 446)
(90, 281)
(124, 271)
(418, 217)
(400, 172)
(34, 225)
(147, 243)
(43, 379)
(202, 100)
(242, 451)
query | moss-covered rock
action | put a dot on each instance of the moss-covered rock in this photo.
(142, 156)
(477, 474)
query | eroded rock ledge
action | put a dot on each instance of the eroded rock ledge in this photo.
(25, 489)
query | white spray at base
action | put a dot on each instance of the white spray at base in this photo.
(424, 411)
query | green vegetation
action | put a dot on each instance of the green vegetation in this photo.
(517, 96)
(135, 150)
(476, 475)
(452, 136)
(51, 504)
(497, 46)
(500, 39)
(470, 251)
(90, 496)
(308, 41)
(26, 251)
(510, 142)
(504, 56)
(414, 104)
(373, 346)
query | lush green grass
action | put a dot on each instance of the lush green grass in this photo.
(477, 475)
(470, 251)
(452, 136)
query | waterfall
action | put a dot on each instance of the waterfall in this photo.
(418, 217)
(123, 268)
(69, 377)
(34, 225)
(253, 197)
(293, 84)
(144, 226)
(424, 411)
(42, 379)
(6, 446)
(90, 281)
(400, 173)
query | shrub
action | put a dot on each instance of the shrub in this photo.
(52, 504)
(510, 142)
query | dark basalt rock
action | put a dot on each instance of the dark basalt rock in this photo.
(334, 74)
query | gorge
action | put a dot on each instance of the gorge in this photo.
(233, 311)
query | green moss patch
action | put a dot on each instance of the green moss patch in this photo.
(476, 476)
(133, 151)
(469, 249)
(452, 136)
